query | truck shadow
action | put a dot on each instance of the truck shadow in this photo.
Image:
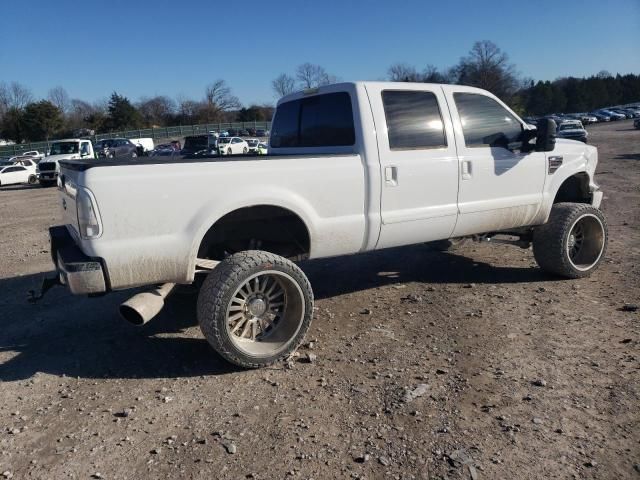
(84, 337)
(418, 263)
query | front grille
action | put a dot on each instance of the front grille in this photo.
(47, 166)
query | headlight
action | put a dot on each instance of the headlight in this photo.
(88, 222)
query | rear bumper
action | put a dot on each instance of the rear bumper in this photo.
(82, 274)
(48, 175)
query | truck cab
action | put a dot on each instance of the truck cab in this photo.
(68, 149)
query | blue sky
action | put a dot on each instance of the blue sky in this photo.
(143, 48)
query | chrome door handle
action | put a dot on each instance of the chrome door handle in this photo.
(391, 175)
(466, 169)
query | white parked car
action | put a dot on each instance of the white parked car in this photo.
(14, 174)
(36, 155)
(232, 146)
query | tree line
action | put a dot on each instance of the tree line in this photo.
(23, 118)
(487, 66)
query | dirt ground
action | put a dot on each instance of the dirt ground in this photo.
(471, 364)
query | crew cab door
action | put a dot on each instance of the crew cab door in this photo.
(419, 166)
(500, 187)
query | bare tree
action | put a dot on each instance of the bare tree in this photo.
(283, 85)
(311, 76)
(402, 72)
(431, 74)
(219, 95)
(218, 99)
(15, 95)
(60, 98)
(4, 99)
(187, 109)
(487, 67)
(156, 110)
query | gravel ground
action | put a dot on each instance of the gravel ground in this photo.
(424, 365)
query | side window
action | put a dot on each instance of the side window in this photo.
(413, 120)
(84, 148)
(485, 122)
(319, 121)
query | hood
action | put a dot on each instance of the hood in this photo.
(57, 158)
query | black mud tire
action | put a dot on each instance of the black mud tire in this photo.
(216, 295)
(450, 245)
(552, 241)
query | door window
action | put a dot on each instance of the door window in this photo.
(485, 122)
(413, 120)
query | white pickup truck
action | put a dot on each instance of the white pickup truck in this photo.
(352, 167)
(68, 149)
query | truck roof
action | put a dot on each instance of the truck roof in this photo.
(69, 140)
(389, 85)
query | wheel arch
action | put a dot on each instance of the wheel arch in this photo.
(292, 220)
(574, 188)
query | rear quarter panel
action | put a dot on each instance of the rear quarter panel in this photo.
(155, 216)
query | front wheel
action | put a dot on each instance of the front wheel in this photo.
(573, 241)
(32, 180)
(229, 152)
(255, 308)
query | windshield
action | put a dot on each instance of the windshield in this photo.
(224, 140)
(104, 144)
(569, 126)
(252, 143)
(63, 148)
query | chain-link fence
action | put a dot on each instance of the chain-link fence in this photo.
(177, 132)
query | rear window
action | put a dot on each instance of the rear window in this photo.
(319, 121)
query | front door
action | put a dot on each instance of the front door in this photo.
(419, 166)
(500, 187)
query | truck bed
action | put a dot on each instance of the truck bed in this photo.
(86, 164)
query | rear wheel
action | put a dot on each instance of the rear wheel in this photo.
(255, 308)
(573, 241)
(32, 180)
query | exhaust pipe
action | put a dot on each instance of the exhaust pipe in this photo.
(142, 307)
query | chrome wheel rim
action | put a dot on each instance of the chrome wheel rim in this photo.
(265, 313)
(585, 242)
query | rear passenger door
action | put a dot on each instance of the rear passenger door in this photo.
(418, 162)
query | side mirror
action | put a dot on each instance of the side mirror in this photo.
(546, 135)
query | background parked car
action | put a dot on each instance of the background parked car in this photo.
(116, 147)
(145, 145)
(613, 115)
(200, 144)
(573, 130)
(34, 154)
(263, 148)
(253, 144)
(14, 174)
(601, 116)
(232, 146)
